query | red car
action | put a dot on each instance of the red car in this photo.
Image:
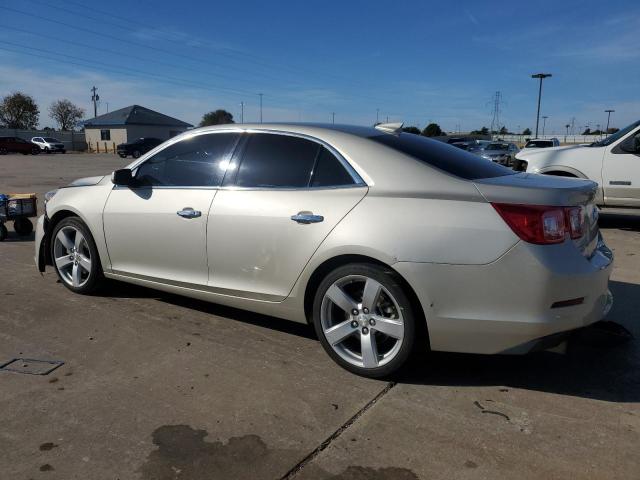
(17, 145)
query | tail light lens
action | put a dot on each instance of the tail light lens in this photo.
(575, 221)
(542, 225)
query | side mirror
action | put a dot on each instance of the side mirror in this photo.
(122, 177)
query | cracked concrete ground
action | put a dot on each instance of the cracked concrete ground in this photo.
(156, 386)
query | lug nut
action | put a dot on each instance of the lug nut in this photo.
(372, 322)
(354, 311)
(365, 330)
(354, 324)
(365, 310)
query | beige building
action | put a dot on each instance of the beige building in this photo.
(105, 132)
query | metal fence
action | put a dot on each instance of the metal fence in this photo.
(564, 139)
(72, 140)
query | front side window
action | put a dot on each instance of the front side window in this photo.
(277, 161)
(105, 134)
(199, 161)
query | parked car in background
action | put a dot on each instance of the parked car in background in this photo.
(500, 152)
(613, 162)
(138, 147)
(478, 145)
(17, 145)
(49, 144)
(538, 143)
(285, 220)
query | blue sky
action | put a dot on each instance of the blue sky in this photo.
(412, 61)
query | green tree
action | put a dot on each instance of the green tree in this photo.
(587, 131)
(526, 131)
(482, 131)
(19, 110)
(432, 130)
(219, 117)
(65, 113)
(504, 131)
(414, 130)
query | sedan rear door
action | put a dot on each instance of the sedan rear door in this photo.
(282, 196)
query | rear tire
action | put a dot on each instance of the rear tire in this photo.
(23, 226)
(75, 256)
(4, 233)
(364, 319)
(136, 154)
(35, 151)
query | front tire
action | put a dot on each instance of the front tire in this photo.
(75, 256)
(136, 154)
(364, 319)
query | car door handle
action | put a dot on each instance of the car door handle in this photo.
(189, 212)
(307, 217)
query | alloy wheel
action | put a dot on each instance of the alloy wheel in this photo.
(72, 256)
(362, 321)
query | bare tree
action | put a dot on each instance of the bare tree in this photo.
(65, 113)
(19, 110)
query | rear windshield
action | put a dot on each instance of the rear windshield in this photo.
(539, 144)
(452, 160)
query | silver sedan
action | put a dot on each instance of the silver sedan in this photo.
(384, 241)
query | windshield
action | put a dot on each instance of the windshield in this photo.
(497, 146)
(49, 139)
(450, 159)
(616, 136)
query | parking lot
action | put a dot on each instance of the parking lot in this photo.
(156, 386)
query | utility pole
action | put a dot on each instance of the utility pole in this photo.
(495, 120)
(333, 117)
(241, 112)
(94, 98)
(541, 76)
(544, 123)
(608, 112)
(260, 95)
(377, 116)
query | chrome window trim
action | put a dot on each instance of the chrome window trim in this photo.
(358, 181)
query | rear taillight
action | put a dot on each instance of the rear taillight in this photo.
(575, 221)
(542, 225)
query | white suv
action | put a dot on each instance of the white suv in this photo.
(613, 162)
(48, 144)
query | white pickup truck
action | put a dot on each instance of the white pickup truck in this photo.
(614, 163)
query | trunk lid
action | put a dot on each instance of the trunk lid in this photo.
(535, 189)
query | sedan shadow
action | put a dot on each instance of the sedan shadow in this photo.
(602, 361)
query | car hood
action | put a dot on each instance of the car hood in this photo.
(86, 181)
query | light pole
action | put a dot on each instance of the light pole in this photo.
(241, 112)
(541, 76)
(260, 95)
(377, 116)
(544, 123)
(608, 112)
(333, 117)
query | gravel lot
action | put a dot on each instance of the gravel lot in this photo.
(156, 386)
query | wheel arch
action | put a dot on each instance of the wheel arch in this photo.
(332, 263)
(563, 171)
(56, 218)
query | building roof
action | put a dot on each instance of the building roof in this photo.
(134, 115)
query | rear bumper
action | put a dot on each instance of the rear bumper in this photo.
(506, 306)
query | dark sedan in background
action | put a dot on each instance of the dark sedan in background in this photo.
(138, 147)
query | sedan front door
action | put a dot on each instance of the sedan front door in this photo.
(621, 172)
(285, 196)
(157, 228)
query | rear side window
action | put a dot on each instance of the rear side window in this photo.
(277, 161)
(452, 160)
(329, 172)
(199, 161)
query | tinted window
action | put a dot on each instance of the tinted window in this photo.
(329, 172)
(445, 157)
(272, 160)
(105, 134)
(194, 162)
(539, 144)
